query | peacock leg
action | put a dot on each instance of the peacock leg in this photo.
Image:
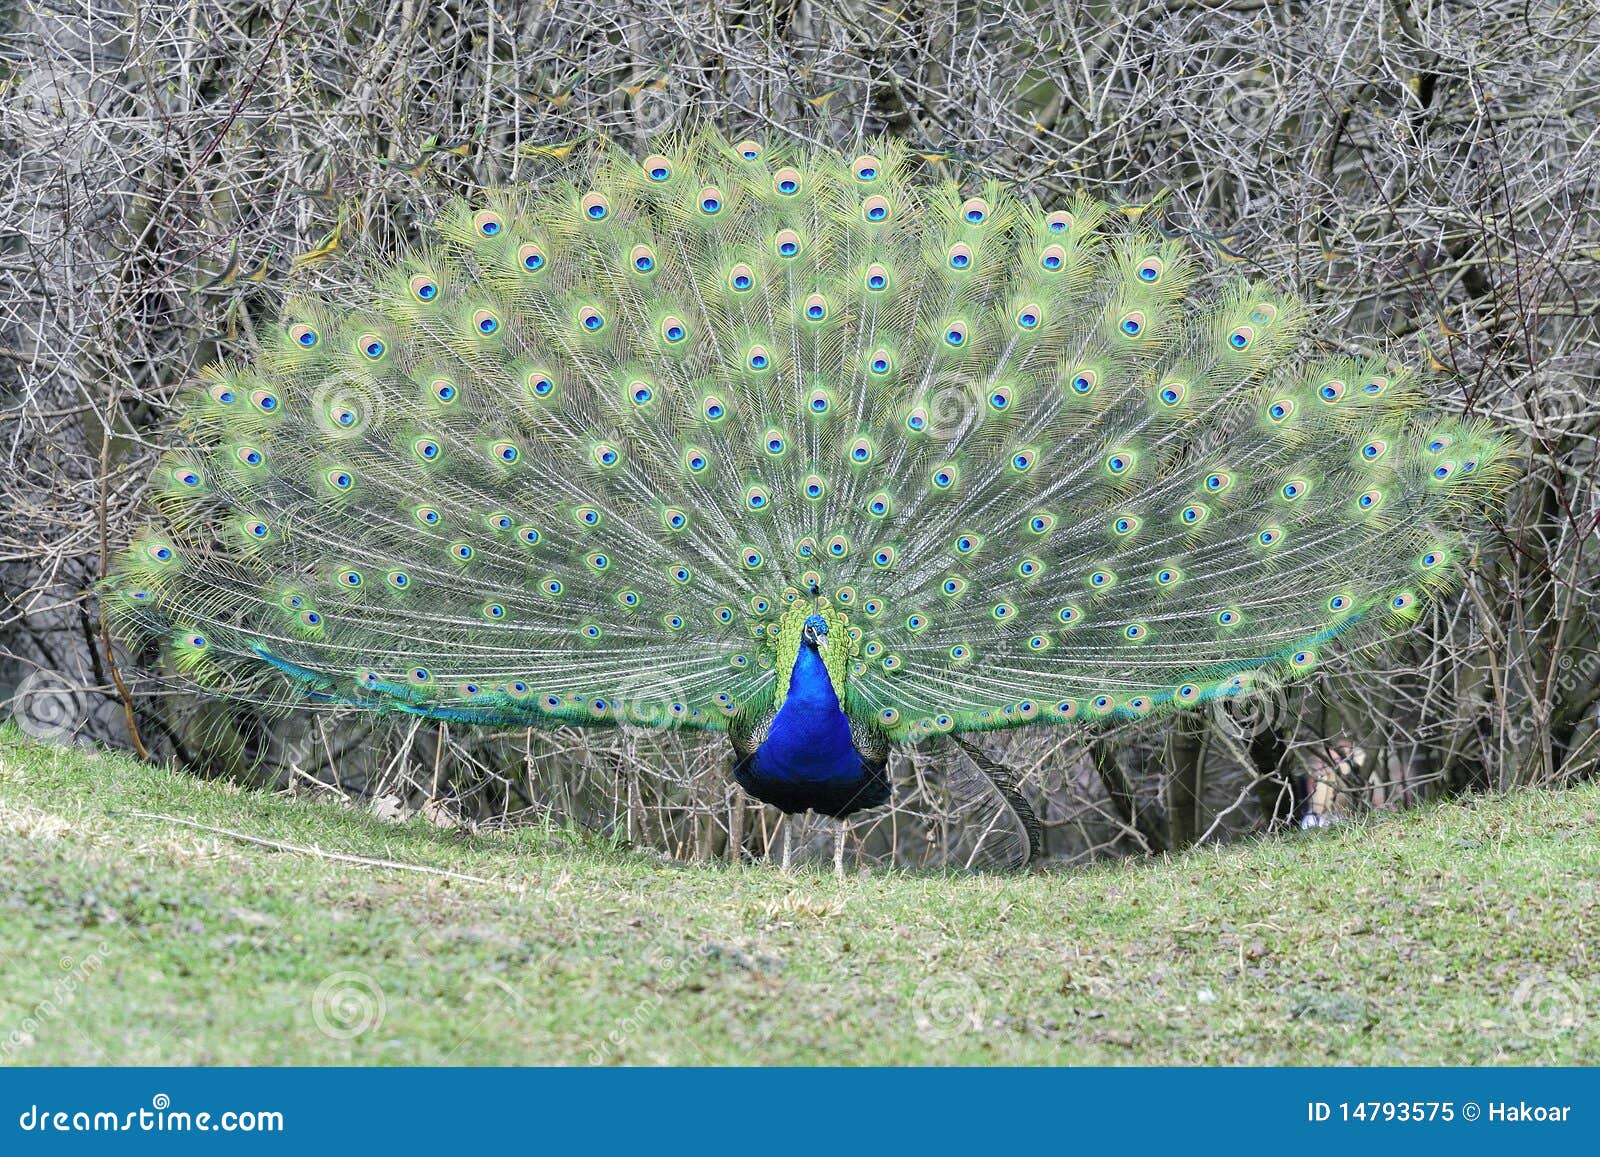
(838, 847)
(788, 823)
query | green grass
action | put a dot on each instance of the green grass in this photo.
(1453, 934)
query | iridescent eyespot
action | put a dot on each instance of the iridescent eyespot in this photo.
(1263, 313)
(485, 322)
(1135, 631)
(265, 400)
(540, 384)
(1281, 409)
(959, 257)
(1443, 471)
(531, 258)
(674, 519)
(1241, 338)
(1402, 601)
(1430, 560)
(1041, 523)
(1229, 618)
(606, 456)
(1119, 462)
(1022, 461)
(161, 553)
(1375, 386)
(695, 461)
(741, 278)
(499, 521)
(866, 168)
(775, 443)
(1331, 391)
(551, 586)
(875, 209)
(1187, 693)
(595, 206)
(958, 652)
(861, 451)
(250, 456)
(1339, 603)
(424, 288)
(303, 335)
(1028, 316)
(713, 408)
(1370, 500)
(1125, 525)
(1029, 568)
(494, 610)
(657, 168)
(222, 395)
(815, 307)
(351, 578)
(1166, 576)
(1173, 393)
(1053, 258)
(641, 393)
(1193, 515)
(444, 392)
(591, 319)
(505, 451)
(371, 346)
(883, 559)
(340, 479)
(1151, 269)
(966, 543)
(1132, 323)
(1102, 579)
(1438, 444)
(880, 363)
(428, 516)
(1000, 398)
(1217, 482)
(955, 334)
(681, 574)
(487, 223)
(819, 401)
(256, 529)
(756, 498)
(1058, 222)
(186, 476)
(587, 515)
(642, 259)
(752, 559)
(787, 242)
(917, 421)
(673, 330)
(462, 551)
(954, 585)
(1069, 615)
(974, 210)
(1084, 381)
(529, 535)
(944, 477)
(786, 181)
(1270, 536)
(1294, 489)
(877, 278)
(710, 200)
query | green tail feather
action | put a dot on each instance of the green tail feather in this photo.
(575, 458)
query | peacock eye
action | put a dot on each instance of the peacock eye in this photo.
(424, 288)
(488, 223)
(786, 181)
(595, 206)
(974, 210)
(866, 168)
(1151, 269)
(642, 259)
(710, 200)
(531, 257)
(657, 168)
(875, 209)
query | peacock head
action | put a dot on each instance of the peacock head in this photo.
(815, 632)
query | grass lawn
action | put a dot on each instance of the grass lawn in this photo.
(1460, 933)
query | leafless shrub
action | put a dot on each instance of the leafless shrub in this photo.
(1424, 171)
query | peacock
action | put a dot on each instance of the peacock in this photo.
(811, 449)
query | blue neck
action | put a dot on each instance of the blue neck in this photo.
(809, 739)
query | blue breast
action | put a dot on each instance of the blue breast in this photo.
(809, 760)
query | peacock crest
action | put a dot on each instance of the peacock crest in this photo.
(634, 427)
